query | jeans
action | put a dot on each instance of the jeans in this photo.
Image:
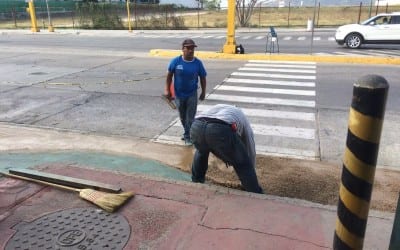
(187, 108)
(226, 145)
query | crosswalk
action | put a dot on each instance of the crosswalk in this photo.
(278, 97)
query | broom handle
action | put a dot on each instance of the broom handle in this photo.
(42, 182)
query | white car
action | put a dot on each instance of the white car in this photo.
(383, 28)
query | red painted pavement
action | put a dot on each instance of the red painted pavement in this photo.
(179, 215)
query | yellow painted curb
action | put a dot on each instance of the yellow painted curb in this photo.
(282, 57)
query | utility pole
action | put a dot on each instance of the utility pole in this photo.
(230, 44)
(129, 15)
(32, 13)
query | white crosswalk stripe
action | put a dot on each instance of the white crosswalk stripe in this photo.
(267, 90)
(279, 106)
(278, 70)
(280, 66)
(294, 63)
(292, 132)
(273, 75)
(366, 53)
(260, 100)
(271, 82)
(269, 113)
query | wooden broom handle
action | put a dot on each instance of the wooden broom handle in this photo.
(42, 182)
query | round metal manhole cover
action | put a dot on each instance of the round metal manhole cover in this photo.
(77, 228)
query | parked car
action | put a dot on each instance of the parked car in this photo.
(380, 29)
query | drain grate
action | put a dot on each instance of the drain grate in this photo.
(77, 228)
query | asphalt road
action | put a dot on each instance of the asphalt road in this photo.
(297, 41)
(107, 85)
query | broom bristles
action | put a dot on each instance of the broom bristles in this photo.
(107, 201)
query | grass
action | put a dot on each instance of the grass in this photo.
(297, 17)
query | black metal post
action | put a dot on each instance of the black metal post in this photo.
(395, 238)
(359, 162)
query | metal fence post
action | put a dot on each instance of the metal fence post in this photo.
(359, 161)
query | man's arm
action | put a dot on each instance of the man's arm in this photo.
(203, 84)
(168, 83)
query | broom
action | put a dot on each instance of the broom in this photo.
(169, 99)
(108, 202)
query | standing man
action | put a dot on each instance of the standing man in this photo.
(186, 71)
(225, 131)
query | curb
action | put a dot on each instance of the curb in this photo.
(283, 57)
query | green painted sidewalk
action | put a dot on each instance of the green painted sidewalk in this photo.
(101, 161)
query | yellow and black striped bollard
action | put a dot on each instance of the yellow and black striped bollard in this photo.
(359, 161)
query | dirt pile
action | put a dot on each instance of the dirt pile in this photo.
(308, 180)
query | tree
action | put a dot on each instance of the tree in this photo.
(200, 3)
(212, 4)
(244, 10)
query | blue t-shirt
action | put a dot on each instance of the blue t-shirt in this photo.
(186, 75)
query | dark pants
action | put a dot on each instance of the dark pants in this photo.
(224, 143)
(187, 108)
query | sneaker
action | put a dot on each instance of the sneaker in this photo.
(188, 142)
(182, 137)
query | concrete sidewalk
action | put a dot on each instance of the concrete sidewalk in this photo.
(165, 213)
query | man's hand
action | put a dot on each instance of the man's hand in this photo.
(202, 96)
(169, 96)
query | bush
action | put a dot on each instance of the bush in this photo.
(98, 16)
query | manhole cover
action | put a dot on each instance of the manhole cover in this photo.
(76, 228)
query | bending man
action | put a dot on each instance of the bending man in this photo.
(225, 131)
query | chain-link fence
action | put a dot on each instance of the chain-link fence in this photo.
(114, 15)
(328, 16)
